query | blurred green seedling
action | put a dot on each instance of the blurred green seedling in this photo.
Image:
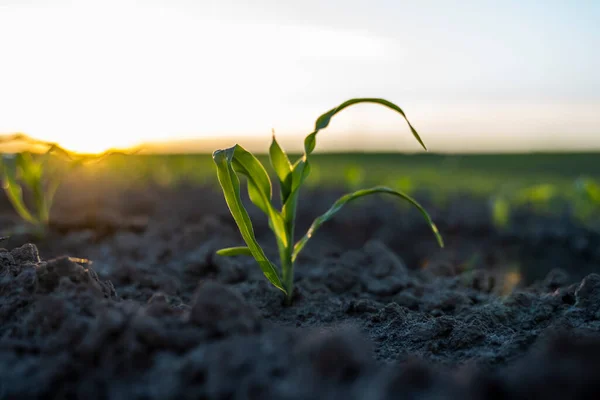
(500, 211)
(542, 197)
(38, 175)
(354, 176)
(589, 190)
(24, 172)
(586, 201)
(235, 161)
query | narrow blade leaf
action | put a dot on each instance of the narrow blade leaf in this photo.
(13, 189)
(300, 172)
(301, 169)
(337, 206)
(235, 251)
(323, 121)
(32, 175)
(259, 186)
(283, 168)
(49, 197)
(224, 160)
(31, 170)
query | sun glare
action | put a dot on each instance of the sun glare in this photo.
(116, 75)
(113, 74)
(89, 144)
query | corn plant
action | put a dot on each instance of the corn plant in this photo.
(24, 171)
(236, 160)
(39, 176)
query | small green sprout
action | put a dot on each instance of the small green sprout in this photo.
(24, 171)
(38, 175)
(588, 189)
(236, 160)
(500, 211)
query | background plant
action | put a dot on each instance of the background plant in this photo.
(39, 175)
(236, 160)
(587, 199)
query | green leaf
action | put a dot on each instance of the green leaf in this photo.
(590, 188)
(301, 168)
(32, 172)
(225, 160)
(13, 189)
(235, 251)
(500, 212)
(323, 121)
(259, 187)
(537, 194)
(283, 168)
(259, 184)
(337, 206)
(300, 172)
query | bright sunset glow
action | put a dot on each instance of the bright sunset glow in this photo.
(93, 75)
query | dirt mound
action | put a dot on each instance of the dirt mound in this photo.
(379, 312)
(364, 326)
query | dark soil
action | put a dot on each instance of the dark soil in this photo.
(380, 312)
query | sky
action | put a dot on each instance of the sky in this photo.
(471, 75)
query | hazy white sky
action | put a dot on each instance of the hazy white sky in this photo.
(471, 75)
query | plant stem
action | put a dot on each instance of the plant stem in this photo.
(287, 265)
(288, 279)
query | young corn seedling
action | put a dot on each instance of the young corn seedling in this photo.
(37, 175)
(236, 160)
(24, 171)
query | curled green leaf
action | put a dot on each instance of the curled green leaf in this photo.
(283, 168)
(13, 188)
(225, 160)
(235, 251)
(324, 120)
(342, 201)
